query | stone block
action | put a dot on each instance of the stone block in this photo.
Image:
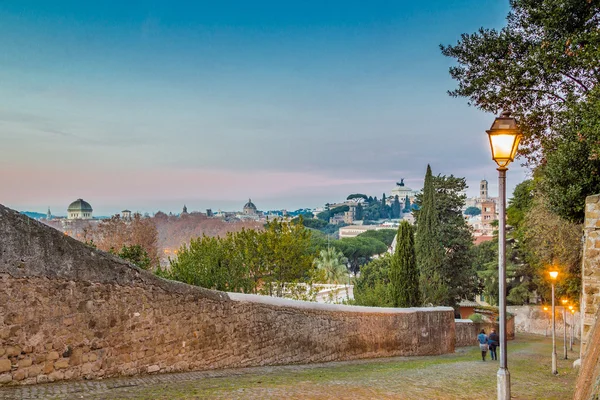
(48, 367)
(42, 379)
(153, 368)
(26, 362)
(5, 378)
(76, 357)
(5, 365)
(19, 375)
(56, 376)
(62, 363)
(12, 351)
(53, 355)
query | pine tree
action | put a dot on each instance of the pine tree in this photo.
(407, 207)
(428, 247)
(396, 207)
(404, 274)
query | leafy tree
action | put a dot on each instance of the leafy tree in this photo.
(326, 215)
(359, 212)
(136, 255)
(404, 274)
(472, 211)
(546, 58)
(371, 287)
(333, 264)
(572, 168)
(428, 246)
(455, 274)
(359, 250)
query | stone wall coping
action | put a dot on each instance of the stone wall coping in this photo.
(309, 305)
(463, 321)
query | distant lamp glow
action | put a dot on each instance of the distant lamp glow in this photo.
(572, 311)
(545, 308)
(553, 275)
(564, 301)
(504, 138)
(571, 308)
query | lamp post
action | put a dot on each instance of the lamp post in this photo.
(572, 327)
(546, 330)
(564, 303)
(504, 136)
(553, 276)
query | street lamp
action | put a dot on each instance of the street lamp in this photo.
(572, 326)
(553, 276)
(564, 303)
(546, 329)
(504, 137)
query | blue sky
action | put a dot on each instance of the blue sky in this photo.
(150, 105)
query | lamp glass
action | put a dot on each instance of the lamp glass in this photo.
(564, 301)
(553, 274)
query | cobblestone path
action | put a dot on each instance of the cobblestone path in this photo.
(456, 376)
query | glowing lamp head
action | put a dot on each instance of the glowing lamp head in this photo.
(571, 308)
(545, 308)
(553, 275)
(572, 311)
(564, 301)
(504, 136)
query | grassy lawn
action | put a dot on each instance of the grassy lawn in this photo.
(455, 376)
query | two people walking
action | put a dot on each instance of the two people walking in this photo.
(490, 342)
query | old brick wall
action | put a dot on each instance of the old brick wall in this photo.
(69, 311)
(590, 285)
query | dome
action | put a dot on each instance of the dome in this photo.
(249, 207)
(80, 205)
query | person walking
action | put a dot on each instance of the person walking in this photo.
(493, 342)
(483, 343)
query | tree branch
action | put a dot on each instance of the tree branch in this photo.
(576, 81)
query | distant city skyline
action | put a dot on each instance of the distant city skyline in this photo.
(154, 105)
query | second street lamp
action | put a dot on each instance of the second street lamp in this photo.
(572, 326)
(504, 136)
(564, 303)
(553, 276)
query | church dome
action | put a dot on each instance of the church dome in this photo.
(249, 207)
(79, 209)
(80, 205)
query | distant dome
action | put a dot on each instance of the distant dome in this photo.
(249, 207)
(80, 209)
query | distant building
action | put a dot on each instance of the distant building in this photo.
(250, 208)
(483, 189)
(185, 211)
(49, 214)
(350, 215)
(403, 191)
(488, 215)
(79, 209)
(209, 212)
(126, 214)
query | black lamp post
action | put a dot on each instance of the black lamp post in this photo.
(504, 137)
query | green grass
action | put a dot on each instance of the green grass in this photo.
(461, 375)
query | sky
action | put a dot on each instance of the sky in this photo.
(149, 105)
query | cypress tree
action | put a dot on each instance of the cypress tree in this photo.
(395, 211)
(428, 246)
(404, 274)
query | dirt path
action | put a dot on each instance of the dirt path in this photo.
(456, 376)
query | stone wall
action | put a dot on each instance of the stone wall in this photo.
(534, 320)
(467, 331)
(70, 311)
(590, 285)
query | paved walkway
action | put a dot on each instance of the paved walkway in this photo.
(456, 376)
